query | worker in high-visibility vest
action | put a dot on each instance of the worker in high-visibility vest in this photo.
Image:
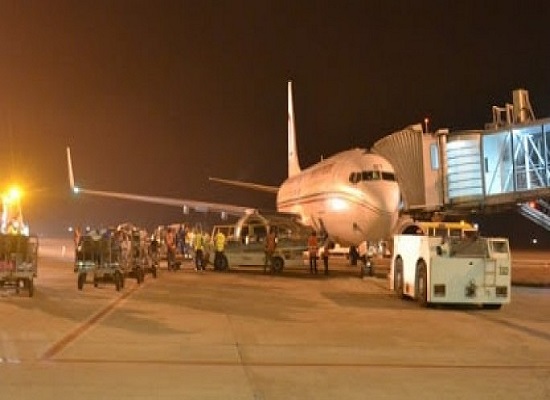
(198, 246)
(170, 241)
(219, 246)
(269, 248)
(313, 248)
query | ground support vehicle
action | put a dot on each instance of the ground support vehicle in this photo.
(434, 270)
(98, 257)
(135, 255)
(18, 261)
(237, 253)
(246, 240)
(152, 259)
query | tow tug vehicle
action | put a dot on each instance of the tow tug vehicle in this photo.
(452, 270)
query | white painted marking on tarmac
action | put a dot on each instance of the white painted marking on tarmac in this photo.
(9, 351)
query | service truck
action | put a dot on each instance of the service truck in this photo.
(472, 270)
(245, 241)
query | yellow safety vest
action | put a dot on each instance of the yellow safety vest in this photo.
(219, 241)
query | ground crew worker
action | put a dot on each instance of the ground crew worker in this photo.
(325, 253)
(154, 250)
(77, 236)
(170, 241)
(198, 246)
(269, 248)
(219, 246)
(312, 247)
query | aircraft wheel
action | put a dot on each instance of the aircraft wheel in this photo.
(353, 256)
(81, 280)
(422, 284)
(398, 284)
(139, 275)
(277, 265)
(30, 287)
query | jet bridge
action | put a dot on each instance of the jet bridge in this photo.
(505, 165)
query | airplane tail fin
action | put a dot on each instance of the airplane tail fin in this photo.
(70, 169)
(293, 162)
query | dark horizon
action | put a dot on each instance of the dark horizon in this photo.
(155, 97)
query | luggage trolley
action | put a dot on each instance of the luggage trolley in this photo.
(18, 261)
(98, 257)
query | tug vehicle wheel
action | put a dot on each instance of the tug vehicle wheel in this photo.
(277, 265)
(398, 284)
(422, 283)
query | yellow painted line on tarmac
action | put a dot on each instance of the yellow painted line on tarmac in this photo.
(61, 344)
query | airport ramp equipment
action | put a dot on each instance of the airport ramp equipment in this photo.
(538, 212)
(494, 169)
(18, 261)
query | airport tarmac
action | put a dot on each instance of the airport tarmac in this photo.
(246, 335)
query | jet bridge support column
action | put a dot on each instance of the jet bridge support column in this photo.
(443, 163)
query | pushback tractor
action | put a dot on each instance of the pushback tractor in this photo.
(439, 270)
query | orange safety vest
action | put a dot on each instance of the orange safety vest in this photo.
(312, 245)
(270, 243)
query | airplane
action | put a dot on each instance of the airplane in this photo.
(351, 197)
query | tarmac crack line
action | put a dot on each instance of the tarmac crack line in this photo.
(256, 393)
(72, 336)
(516, 326)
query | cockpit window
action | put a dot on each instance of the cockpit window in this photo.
(356, 177)
(370, 175)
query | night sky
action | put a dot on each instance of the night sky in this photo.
(155, 96)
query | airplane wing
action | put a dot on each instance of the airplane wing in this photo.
(185, 204)
(247, 185)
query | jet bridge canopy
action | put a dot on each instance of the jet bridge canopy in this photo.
(465, 171)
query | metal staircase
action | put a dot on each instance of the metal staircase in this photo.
(538, 212)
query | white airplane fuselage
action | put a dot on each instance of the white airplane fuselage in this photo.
(353, 196)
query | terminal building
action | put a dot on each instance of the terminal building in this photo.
(504, 166)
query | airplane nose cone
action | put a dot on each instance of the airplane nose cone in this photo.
(386, 199)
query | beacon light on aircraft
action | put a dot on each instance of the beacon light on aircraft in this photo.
(76, 189)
